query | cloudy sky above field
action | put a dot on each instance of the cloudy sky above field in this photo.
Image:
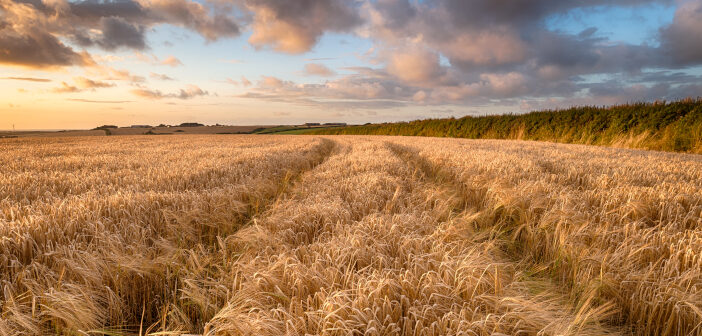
(76, 64)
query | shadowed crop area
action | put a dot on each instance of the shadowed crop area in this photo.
(346, 235)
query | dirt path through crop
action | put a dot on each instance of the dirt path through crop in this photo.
(617, 231)
(276, 235)
(583, 319)
(368, 243)
(140, 245)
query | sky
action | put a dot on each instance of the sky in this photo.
(80, 64)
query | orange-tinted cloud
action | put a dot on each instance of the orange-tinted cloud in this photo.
(160, 76)
(32, 32)
(189, 92)
(295, 26)
(316, 69)
(81, 84)
(65, 88)
(85, 83)
(172, 61)
(100, 101)
(28, 79)
(417, 66)
(243, 82)
(109, 73)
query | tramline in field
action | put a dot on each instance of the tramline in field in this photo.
(341, 235)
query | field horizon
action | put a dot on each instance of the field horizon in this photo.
(674, 126)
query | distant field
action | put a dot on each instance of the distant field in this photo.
(303, 130)
(168, 131)
(42, 134)
(292, 129)
(674, 126)
(141, 131)
(346, 235)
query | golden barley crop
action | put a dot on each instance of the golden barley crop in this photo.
(342, 235)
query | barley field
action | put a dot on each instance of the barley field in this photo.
(346, 235)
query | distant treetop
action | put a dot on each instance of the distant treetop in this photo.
(190, 124)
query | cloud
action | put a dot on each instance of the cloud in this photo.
(117, 32)
(65, 88)
(507, 85)
(152, 59)
(112, 74)
(485, 48)
(427, 52)
(31, 31)
(316, 69)
(379, 89)
(89, 84)
(683, 38)
(146, 58)
(160, 77)
(193, 15)
(25, 41)
(28, 79)
(296, 26)
(348, 92)
(243, 82)
(172, 61)
(150, 94)
(491, 36)
(100, 101)
(473, 52)
(273, 82)
(189, 92)
(419, 66)
(81, 84)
